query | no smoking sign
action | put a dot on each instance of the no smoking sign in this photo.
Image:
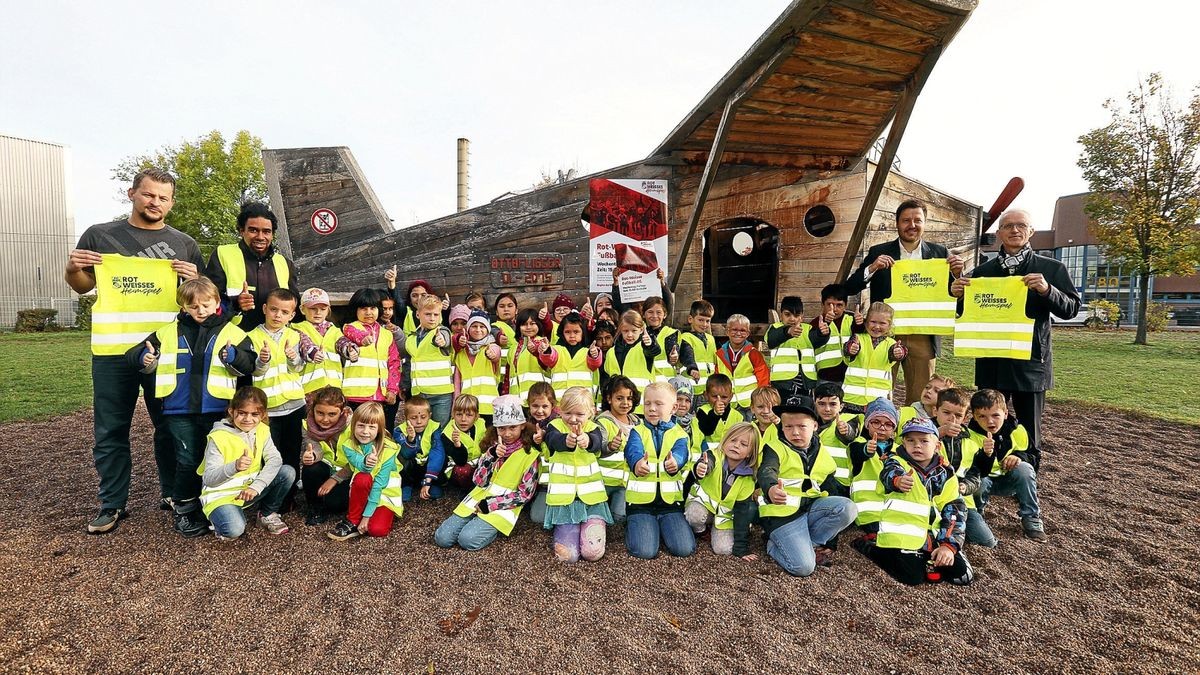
(323, 221)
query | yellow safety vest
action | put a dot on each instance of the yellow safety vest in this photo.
(921, 298)
(798, 483)
(743, 377)
(572, 371)
(331, 453)
(866, 491)
(613, 468)
(635, 369)
(662, 362)
(505, 480)
(830, 354)
(643, 489)
(233, 446)
(220, 381)
(233, 261)
(361, 378)
(731, 418)
(707, 493)
(908, 518)
(524, 371)
(470, 442)
(480, 378)
(993, 322)
(432, 370)
(134, 297)
(392, 495)
(426, 436)
(869, 373)
(574, 473)
(1020, 443)
(838, 450)
(705, 352)
(329, 371)
(278, 382)
(508, 333)
(969, 449)
(793, 356)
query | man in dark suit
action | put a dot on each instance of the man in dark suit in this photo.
(1051, 291)
(876, 271)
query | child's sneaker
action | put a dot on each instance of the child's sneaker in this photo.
(1034, 529)
(343, 530)
(273, 523)
(191, 524)
(315, 517)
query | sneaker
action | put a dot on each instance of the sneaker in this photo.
(191, 524)
(824, 556)
(343, 530)
(1034, 529)
(166, 504)
(967, 577)
(106, 521)
(315, 518)
(223, 539)
(273, 523)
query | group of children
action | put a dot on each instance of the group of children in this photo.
(585, 418)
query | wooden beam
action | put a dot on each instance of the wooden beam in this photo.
(718, 146)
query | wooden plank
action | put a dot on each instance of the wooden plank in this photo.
(802, 114)
(906, 13)
(842, 50)
(779, 124)
(784, 87)
(771, 159)
(780, 100)
(863, 27)
(845, 73)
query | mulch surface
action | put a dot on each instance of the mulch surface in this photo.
(1116, 587)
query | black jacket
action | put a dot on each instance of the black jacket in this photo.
(881, 281)
(260, 273)
(1036, 374)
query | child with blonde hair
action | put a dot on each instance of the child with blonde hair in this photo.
(461, 439)
(432, 365)
(633, 354)
(869, 359)
(723, 495)
(375, 496)
(657, 455)
(576, 502)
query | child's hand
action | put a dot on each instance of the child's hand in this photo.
(389, 398)
(352, 354)
(594, 352)
(243, 462)
(962, 488)
(776, 493)
(368, 340)
(898, 351)
(858, 317)
(289, 350)
(695, 375)
(318, 356)
(572, 440)
(670, 464)
(492, 353)
(750, 557)
(363, 524)
(371, 459)
(1010, 462)
(544, 311)
(989, 445)
(872, 446)
(641, 468)
(245, 298)
(309, 456)
(454, 438)
(646, 339)
(661, 274)
(247, 495)
(446, 302)
(719, 407)
(227, 353)
(673, 359)
(586, 310)
(796, 329)
(410, 435)
(701, 469)
(502, 339)
(582, 441)
(951, 430)
(617, 442)
(264, 354)
(425, 492)
(539, 434)
(822, 326)
(852, 346)
(904, 483)
(390, 275)
(843, 427)
(326, 487)
(943, 556)
(150, 356)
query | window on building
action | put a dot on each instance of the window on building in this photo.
(741, 266)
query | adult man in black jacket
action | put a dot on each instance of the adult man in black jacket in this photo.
(1051, 291)
(876, 271)
(246, 272)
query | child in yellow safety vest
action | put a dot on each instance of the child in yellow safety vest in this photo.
(741, 362)
(242, 470)
(633, 354)
(477, 361)
(1006, 460)
(576, 503)
(430, 358)
(617, 420)
(925, 407)
(876, 441)
(371, 367)
(195, 361)
(505, 480)
(322, 362)
(762, 406)
(375, 489)
(716, 416)
(950, 415)
(571, 361)
(923, 522)
(524, 369)
(837, 431)
(702, 346)
(543, 409)
(869, 359)
(421, 449)
(723, 495)
(793, 362)
(323, 468)
(657, 455)
(461, 439)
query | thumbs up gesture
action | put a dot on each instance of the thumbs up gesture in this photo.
(318, 355)
(539, 434)
(289, 350)
(544, 311)
(905, 483)
(150, 356)
(858, 317)
(581, 440)
(454, 435)
(439, 340)
(586, 310)
(446, 302)
(617, 442)
(390, 275)
(243, 462)
(641, 468)
(646, 339)
(410, 434)
(702, 466)
(898, 351)
(852, 346)
(872, 446)
(670, 464)
(796, 329)
(372, 458)
(673, 359)
(245, 298)
(594, 351)
(264, 354)
(843, 427)
(989, 445)
(227, 352)
(776, 493)
(823, 325)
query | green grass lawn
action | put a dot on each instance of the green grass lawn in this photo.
(44, 374)
(1107, 369)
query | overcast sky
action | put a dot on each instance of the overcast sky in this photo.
(540, 85)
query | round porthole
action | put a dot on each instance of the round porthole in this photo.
(819, 221)
(743, 244)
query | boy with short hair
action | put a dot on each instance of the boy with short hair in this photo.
(925, 407)
(869, 359)
(704, 347)
(741, 362)
(421, 450)
(923, 522)
(798, 517)
(196, 361)
(1005, 459)
(950, 412)
(762, 405)
(793, 364)
(830, 330)
(836, 431)
(718, 414)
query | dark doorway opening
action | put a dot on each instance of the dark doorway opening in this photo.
(741, 268)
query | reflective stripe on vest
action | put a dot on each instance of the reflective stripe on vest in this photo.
(705, 352)
(432, 370)
(574, 473)
(993, 323)
(469, 441)
(838, 450)
(867, 493)
(278, 382)
(921, 297)
(744, 380)
(908, 518)
(524, 371)
(869, 373)
(232, 446)
(634, 368)
(643, 489)
(830, 354)
(220, 381)
(703, 492)
(662, 362)
(798, 483)
(426, 445)
(479, 378)
(134, 297)
(233, 261)
(504, 481)
(362, 378)
(613, 468)
(329, 371)
(572, 371)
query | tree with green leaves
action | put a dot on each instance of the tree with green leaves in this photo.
(1143, 170)
(213, 179)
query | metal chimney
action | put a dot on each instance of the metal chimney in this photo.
(464, 165)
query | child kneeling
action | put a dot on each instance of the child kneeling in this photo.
(242, 469)
(506, 479)
(375, 495)
(657, 455)
(576, 502)
(723, 494)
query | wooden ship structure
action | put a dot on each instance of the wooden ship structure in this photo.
(788, 147)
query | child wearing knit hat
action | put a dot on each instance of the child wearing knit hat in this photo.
(476, 359)
(867, 452)
(552, 314)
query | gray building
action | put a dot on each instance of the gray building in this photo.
(37, 226)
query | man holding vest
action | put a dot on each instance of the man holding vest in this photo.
(246, 272)
(1050, 290)
(876, 271)
(144, 235)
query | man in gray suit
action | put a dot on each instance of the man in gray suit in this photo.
(876, 271)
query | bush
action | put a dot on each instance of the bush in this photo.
(36, 321)
(83, 314)
(1157, 315)
(1103, 314)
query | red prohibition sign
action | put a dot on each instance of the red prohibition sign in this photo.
(323, 221)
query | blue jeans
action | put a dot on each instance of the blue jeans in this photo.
(1021, 483)
(616, 502)
(229, 520)
(190, 436)
(978, 531)
(472, 533)
(792, 545)
(114, 396)
(439, 407)
(644, 531)
(407, 492)
(537, 508)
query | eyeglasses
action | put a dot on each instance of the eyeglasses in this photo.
(1022, 227)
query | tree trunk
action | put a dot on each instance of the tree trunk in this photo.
(1143, 306)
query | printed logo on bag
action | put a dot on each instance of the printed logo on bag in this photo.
(135, 286)
(992, 301)
(918, 280)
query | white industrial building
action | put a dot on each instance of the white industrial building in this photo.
(37, 226)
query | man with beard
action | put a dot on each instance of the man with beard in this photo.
(247, 272)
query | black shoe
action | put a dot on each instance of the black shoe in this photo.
(166, 504)
(315, 518)
(343, 531)
(191, 524)
(106, 521)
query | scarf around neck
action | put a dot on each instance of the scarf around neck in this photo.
(325, 435)
(1012, 262)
